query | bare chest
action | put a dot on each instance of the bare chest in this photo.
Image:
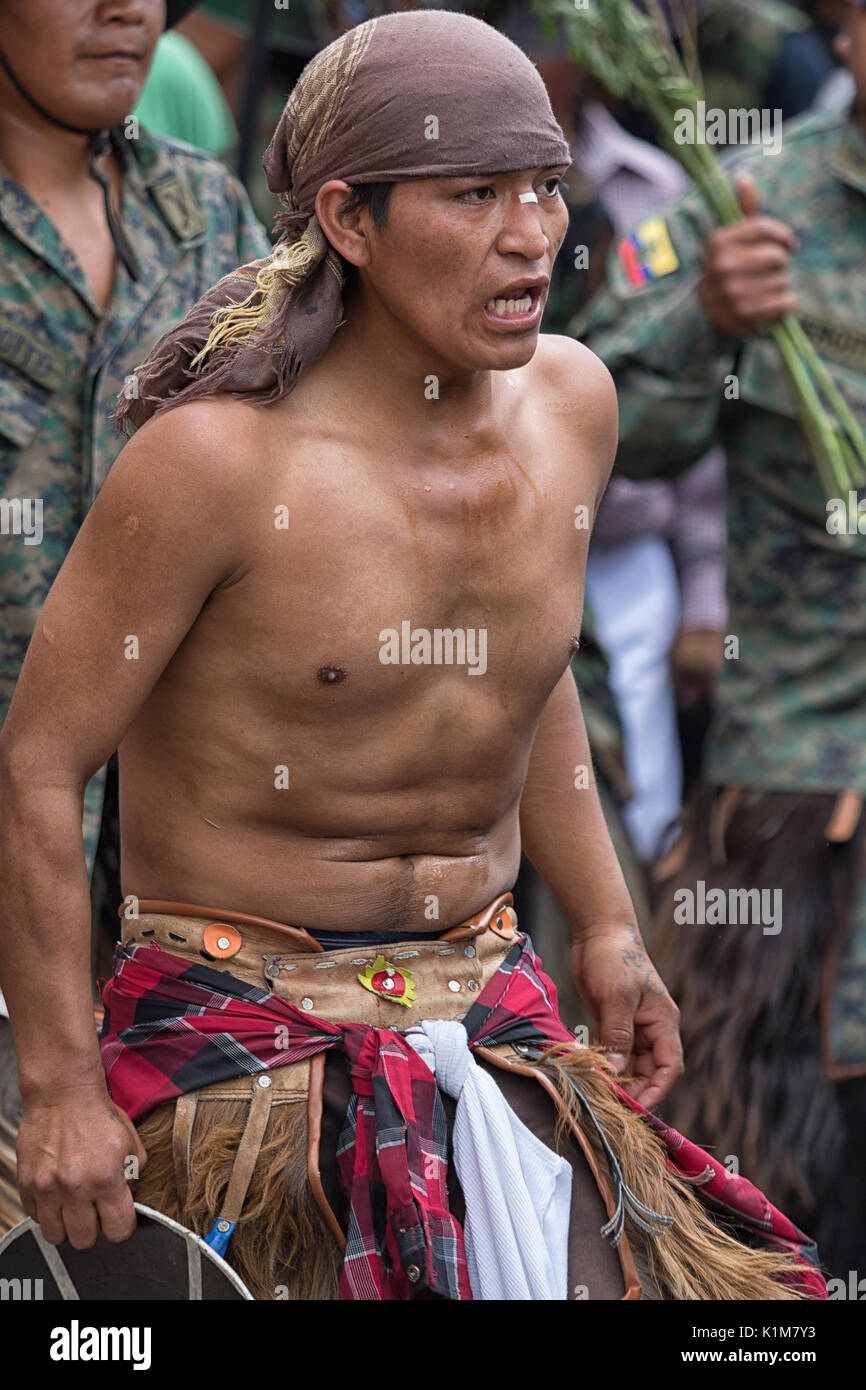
(362, 597)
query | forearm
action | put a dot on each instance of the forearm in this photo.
(562, 825)
(45, 937)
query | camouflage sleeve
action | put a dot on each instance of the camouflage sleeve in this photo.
(668, 361)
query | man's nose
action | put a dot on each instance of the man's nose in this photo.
(146, 12)
(523, 229)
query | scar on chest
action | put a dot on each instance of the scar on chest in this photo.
(332, 675)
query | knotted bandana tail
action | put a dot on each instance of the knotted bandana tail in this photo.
(277, 275)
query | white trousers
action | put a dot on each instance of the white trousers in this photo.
(634, 594)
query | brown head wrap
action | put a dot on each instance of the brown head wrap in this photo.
(412, 95)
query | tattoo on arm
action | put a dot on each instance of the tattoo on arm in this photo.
(653, 985)
(637, 957)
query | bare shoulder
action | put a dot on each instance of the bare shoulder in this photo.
(574, 372)
(188, 479)
(573, 393)
(211, 441)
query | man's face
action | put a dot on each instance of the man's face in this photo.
(84, 61)
(456, 251)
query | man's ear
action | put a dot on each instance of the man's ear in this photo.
(345, 230)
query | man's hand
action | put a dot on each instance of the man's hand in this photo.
(73, 1164)
(696, 656)
(635, 1017)
(746, 282)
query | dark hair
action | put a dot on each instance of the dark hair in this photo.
(375, 196)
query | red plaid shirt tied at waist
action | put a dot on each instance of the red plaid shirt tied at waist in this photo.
(171, 1027)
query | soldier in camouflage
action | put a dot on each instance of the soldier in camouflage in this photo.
(85, 290)
(67, 344)
(683, 329)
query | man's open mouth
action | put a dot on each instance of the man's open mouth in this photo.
(516, 301)
(504, 307)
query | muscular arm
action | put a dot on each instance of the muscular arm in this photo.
(561, 821)
(562, 825)
(565, 836)
(152, 548)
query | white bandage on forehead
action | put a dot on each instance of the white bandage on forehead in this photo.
(529, 197)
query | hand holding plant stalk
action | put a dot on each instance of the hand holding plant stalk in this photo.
(633, 56)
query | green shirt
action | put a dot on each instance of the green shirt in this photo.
(63, 359)
(183, 99)
(791, 700)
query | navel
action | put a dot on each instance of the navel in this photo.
(332, 675)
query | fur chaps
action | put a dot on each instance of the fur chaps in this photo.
(755, 1085)
(282, 1247)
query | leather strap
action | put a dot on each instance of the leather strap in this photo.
(314, 1141)
(248, 1149)
(474, 926)
(181, 1138)
(301, 938)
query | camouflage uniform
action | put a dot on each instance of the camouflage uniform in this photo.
(63, 359)
(791, 709)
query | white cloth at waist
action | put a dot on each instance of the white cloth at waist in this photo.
(517, 1190)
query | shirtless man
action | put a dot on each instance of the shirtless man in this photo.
(270, 759)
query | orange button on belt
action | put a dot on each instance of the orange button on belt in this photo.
(222, 941)
(502, 924)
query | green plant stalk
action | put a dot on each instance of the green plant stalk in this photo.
(823, 439)
(840, 448)
(826, 383)
(853, 487)
(797, 352)
(788, 331)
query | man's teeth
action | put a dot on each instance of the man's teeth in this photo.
(510, 306)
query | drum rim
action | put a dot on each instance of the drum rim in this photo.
(28, 1224)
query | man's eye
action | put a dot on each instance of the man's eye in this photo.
(469, 197)
(552, 186)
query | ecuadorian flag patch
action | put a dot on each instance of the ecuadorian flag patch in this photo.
(648, 253)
